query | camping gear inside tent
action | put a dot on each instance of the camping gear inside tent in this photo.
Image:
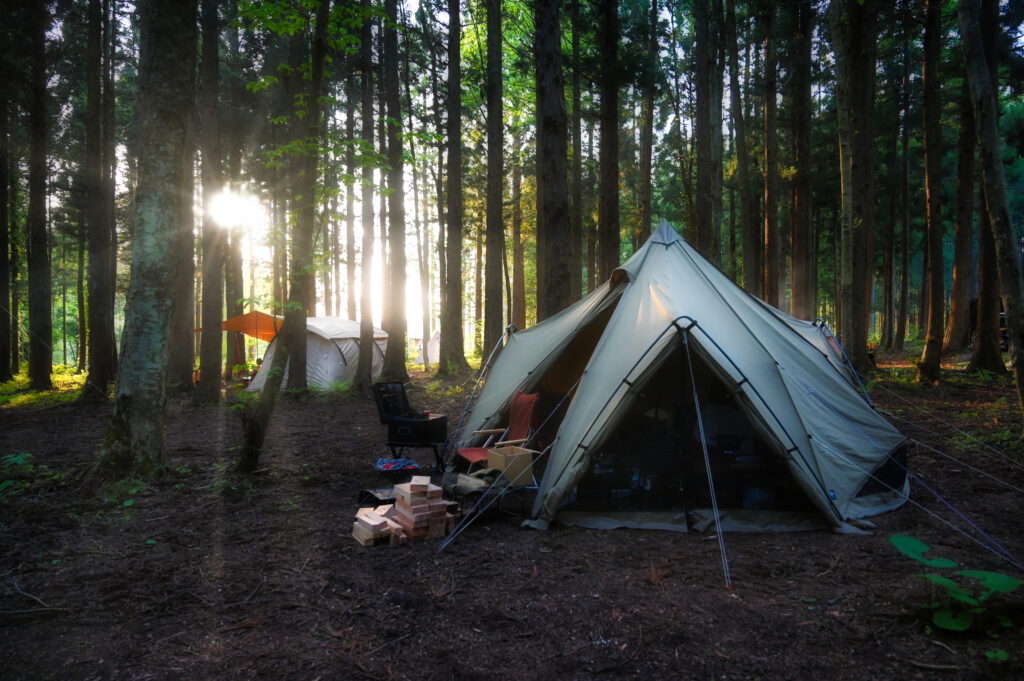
(332, 352)
(670, 375)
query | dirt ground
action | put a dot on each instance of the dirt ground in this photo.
(203, 574)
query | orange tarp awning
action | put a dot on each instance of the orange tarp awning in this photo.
(256, 324)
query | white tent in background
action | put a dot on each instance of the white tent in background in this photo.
(431, 350)
(667, 356)
(332, 353)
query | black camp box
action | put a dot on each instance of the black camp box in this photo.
(409, 430)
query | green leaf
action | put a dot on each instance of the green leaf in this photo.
(151, 541)
(128, 502)
(913, 548)
(952, 588)
(994, 581)
(1005, 622)
(998, 655)
(953, 621)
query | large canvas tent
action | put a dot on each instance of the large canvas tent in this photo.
(669, 359)
(332, 349)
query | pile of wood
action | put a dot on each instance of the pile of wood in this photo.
(418, 513)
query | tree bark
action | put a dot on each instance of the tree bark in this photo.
(394, 358)
(134, 440)
(904, 301)
(553, 249)
(364, 368)
(576, 237)
(648, 86)
(211, 346)
(749, 233)
(957, 334)
(40, 323)
(981, 74)
(706, 72)
(350, 193)
(803, 279)
(452, 352)
(518, 260)
(772, 245)
(609, 232)
(495, 231)
(5, 233)
(181, 358)
(929, 366)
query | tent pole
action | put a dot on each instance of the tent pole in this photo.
(707, 463)
(511, 328)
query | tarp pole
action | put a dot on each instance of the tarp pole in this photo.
(707, 463)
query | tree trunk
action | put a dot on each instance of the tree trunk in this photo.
(903, 311)
(134, 440)
(452, 353)
(648, 85)
(958, 324)
(772, 245)
(981, 69)
(181, 359)
(609, 233)
(478, 291)
(364, 369)
(552, 191)
(518, 261)
(706, 72)
(495, 231)
(211, 347)
(394, 358)
(749, 232)
(576, 204)
(854, 24)
(5, 233)
(803, 279)
(350, 193)
(40, 308)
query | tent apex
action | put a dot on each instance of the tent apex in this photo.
(665, 235)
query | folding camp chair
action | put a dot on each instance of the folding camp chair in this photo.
(407, 428)
(522, 426)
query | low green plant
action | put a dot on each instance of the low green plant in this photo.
(19, 474)
(967, 597)
(67, 385)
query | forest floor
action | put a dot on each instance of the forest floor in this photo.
(205, 574)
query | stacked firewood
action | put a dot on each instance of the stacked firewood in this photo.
(419, 513)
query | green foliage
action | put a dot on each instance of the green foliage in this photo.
(67, 385)
(965, 602)
(19, 475)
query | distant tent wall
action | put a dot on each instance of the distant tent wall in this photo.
(332, 353)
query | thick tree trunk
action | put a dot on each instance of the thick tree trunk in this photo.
(706, 73)
(980, 72)
(453, 354)
(903, 310)
(211, 346)
(803, 273)
(553, 248)
(394, 358)
(134, 440)
(854, 24)
(928, 368)
(495, 231)
(958, 325)
(181, 359)
(608, 228)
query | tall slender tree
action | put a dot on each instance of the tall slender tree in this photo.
(495, 231)
(928, 367)
(364, 368)
(394, 359)
(40, 324)
(608, 228)
(5, 261)
(452, 353)
(957, 331)
(211, 349)
(772, 241)
(803, 279)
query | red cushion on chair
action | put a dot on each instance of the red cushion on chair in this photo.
(473, 454)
